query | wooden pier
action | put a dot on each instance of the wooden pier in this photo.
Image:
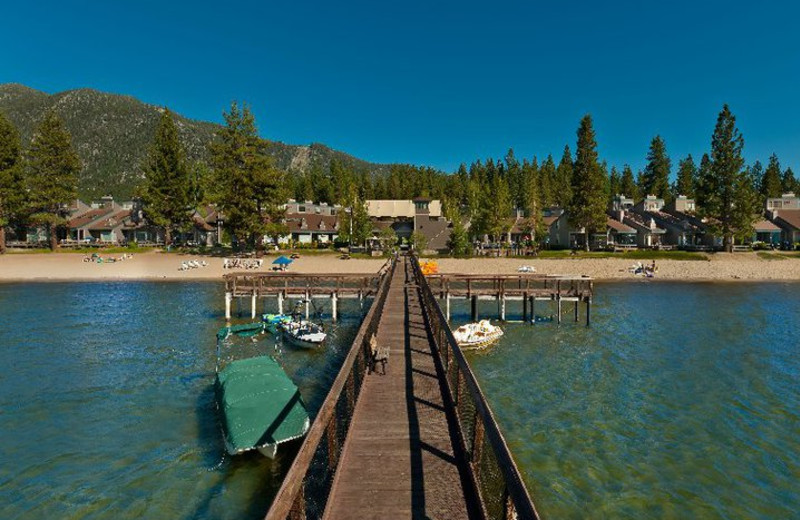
(417, 442)
(282, 286)
(525, 288)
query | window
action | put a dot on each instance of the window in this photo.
(301, 209)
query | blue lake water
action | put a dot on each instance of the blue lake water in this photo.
(680, 401)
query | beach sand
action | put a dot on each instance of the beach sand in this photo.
(161, 266)
(158, 266)
(718, 267)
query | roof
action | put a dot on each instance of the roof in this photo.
(436, 231)
(789, 218)
(765, 226)
(311, 222)
(110, 221)
(548, 221)
(618, 226)
(639, 222)
(89, 216)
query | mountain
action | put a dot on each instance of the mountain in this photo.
(112, 133)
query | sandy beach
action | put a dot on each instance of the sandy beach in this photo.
(160, 266)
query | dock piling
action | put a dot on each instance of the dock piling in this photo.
(228, 299)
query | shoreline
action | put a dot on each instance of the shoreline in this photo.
(164, 267)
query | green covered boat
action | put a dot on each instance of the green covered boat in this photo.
(261, 406)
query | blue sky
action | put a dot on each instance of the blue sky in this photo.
(435, 83)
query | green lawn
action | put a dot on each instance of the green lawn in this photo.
(632, 255)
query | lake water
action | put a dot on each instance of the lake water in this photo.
(681, 401)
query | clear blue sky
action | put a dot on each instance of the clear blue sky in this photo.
(431, 82)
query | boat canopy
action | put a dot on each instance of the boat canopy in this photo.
(261, 405)
(244, 330)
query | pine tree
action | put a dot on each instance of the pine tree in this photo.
(547, 175)
(727, 191)
(11, 177)
(627, 184)
(458, 243)
(251, 192)
(355, 226)
(614, 183)
(499, 208)
(562, 187)
(771, 183)
(789, 183)
(656, 173)
(588, 207)
(166, 197)
(641, 185)
(533, 205)
(51, 180)
(687, 178)
(516, 180)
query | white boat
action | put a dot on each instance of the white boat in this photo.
(477, 335)
(304, 333)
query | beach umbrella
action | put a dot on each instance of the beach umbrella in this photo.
(282, 260)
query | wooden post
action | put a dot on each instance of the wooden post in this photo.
(228, 298)
(474, 308)
(558, 303)
(447, 305)
(502, 307)
(280, 302)
(253, 306)
(525, 307)
(308, 299)
(334, 297)
(533, 309)
(588, 308)
(576, 310)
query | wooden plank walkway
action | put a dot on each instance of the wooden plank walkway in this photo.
(400, 459)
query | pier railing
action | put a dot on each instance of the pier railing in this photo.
(495, 475)
(305, 489)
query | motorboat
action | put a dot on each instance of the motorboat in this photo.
(260, 405)
(304, 333)
(477, 335)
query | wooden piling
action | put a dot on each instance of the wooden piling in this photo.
(474, 307)
(333, 305)
(228, 299)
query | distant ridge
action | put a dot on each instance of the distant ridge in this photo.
(112, 133)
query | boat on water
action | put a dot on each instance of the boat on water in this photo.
(261, 407)
(304, 333)
(477, 335)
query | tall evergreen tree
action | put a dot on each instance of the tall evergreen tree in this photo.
(614, 182)
(11, 177)
(641, 185)
(166, 197)
(656, 173)
(516, 180)
(772, 183)
(251, 192)
(562, 187)
(687, 178)
(499, 204)
(789, 183)
(52, 176)
(547, 175)
(355, 226)
(727, 189)
(588, 207)
(627, 183)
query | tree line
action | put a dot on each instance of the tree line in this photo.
(38, 182)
